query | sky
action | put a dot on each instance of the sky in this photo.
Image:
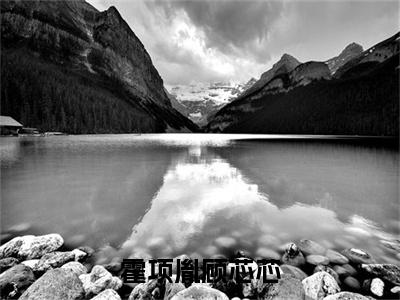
(193, 41)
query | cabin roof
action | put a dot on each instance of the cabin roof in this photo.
(8, 121)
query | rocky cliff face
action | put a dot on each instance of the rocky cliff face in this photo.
(361, 98)
(351, 51)
(72, 34)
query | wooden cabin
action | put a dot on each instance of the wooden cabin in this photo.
(8, 126)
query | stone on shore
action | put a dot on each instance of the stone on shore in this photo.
(172, 288)
(53, 260)
(320, 285)
(352, 283)
(336, 258)
(388, 272)
(327, 269)
(374, 286)
(99, 280)
(315, 260)
(294, 271)
(79, 255)
(75, 267)
(200, 292)
(346, 296)
(288, 287)
(15, 280)
(7, 263)
(144, 291)
(293, 256)
(108, 294)
(309, 247)
(30, 246)
(358, 256)
(56, 284)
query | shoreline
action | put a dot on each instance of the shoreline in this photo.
(33, 265)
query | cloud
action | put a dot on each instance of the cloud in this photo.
(212, 40)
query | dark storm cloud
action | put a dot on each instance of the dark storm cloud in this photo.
(232, 27)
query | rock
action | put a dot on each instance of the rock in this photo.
(288, 287)
(144, 291)
(352, 283)
(345, 270)
(316, 260)
(75, 267)
(99, 280)
(395, 290)
(346, 296)
(329, 270)
(249, 289)
(320, 285)
(30, 263)
(171, 289)
(57, 284)
(89, 251)
(53, 260)
(388, 272)
(336, 258)
(108, 294)
(30, 246)
(375, 286)
(264, 253)
(199, 292)
(309, 247)
(79, 254)
(7, 263)
(294, 271)
(392, 245)
(293, 256)
(358, 256)
(16, 280)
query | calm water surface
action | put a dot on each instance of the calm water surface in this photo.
(163, 195)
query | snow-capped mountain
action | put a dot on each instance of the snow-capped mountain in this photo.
(200, 100)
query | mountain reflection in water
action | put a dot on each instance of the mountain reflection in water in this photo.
(200, 194)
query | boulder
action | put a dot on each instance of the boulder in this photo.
(16, 280)
(172, 288)
(328, 270)
(30, 246)
(294, 271)
(346, 296)
(288, 287)
(31, 263)
(293, 256)
(374, 286)
(75, 267)
(345, 270)
(108, 294)
(388, 272)
(320, 285)
(336, 258)
(56, 284)
(265, 253)
(79, 255)
(352, 283)
(200, 292)
(358, 256)
(309, 247)
(99, 280)
(144, 291)
(7, 263)
(53, 260)
(89, 251)
(315, 260)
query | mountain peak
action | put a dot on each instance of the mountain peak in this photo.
(352, 47)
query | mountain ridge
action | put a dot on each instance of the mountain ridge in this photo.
(87, 44)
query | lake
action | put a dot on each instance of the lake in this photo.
(161, 195)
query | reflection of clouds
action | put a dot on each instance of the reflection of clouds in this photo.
(205, 200)
(9, 150)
